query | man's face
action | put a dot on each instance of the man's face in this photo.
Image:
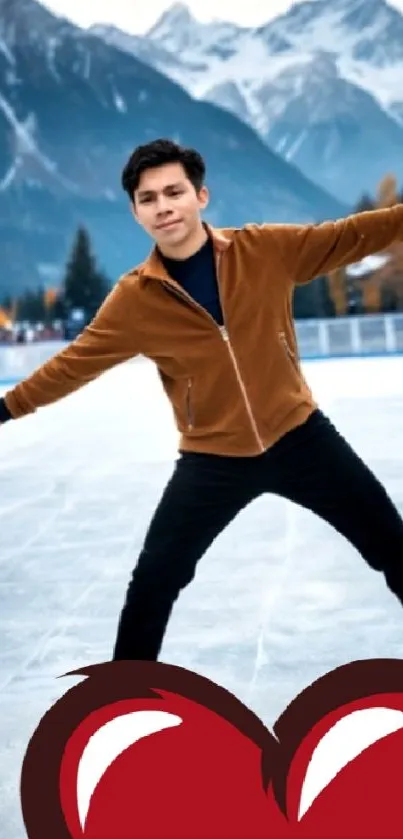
(167, 206)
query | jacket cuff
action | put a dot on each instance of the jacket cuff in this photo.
(4, 412)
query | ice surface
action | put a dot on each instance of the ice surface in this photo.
(278, 600)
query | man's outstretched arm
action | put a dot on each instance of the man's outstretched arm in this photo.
(309, 250)
(110, 339)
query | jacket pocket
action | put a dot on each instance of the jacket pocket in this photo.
(190, 419)
(289, 352)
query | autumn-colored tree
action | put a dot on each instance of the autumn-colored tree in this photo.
(387, 193)
(5, 321)
(389, 278)
(10, 306)
(371, 296)
(337, 281)
(51, 295)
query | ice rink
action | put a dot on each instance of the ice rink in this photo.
(278, 600)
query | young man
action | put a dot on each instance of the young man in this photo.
(213, 310)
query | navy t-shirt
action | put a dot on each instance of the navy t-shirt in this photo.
(197, 276)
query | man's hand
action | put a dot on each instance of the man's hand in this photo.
(110, 339)
(5, 414)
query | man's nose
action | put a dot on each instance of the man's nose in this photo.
(162, 204)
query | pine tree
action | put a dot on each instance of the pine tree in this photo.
(313, 300)
(84, 286)
(364, 204)
(7, 303)
(31, 306)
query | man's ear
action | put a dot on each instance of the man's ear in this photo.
(204, 197)
(133, 210)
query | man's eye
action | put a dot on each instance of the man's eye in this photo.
(174, 194)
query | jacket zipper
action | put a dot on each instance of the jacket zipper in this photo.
(225, 336)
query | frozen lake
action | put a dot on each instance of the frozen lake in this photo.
(278, 600)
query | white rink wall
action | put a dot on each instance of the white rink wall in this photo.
(19, 360)
(336, 338)
(360, 377)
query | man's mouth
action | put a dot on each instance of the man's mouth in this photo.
(168, 224)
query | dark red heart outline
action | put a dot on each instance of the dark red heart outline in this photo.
(39, 786)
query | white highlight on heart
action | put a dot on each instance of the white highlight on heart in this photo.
(347, 739)
(108, 743)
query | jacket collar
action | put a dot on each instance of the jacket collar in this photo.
(154, 268)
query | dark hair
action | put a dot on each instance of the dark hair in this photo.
(157, 153)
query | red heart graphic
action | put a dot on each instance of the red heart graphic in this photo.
(166, 754)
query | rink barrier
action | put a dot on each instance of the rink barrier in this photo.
(370, 336)
(312, 358)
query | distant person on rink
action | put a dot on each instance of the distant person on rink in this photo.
(212, 308)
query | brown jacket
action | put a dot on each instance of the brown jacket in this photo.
(234, 390)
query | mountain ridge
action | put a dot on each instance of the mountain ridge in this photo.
(259, 73)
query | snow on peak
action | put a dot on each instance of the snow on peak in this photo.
(364, 36)
(177, 31)
(176, 16)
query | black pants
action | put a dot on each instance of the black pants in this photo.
(312, 466)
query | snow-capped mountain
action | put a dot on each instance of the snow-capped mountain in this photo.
(365, 37)
(178, 31)
(72, 108)
(322, 84)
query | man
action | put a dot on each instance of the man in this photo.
(212, 309)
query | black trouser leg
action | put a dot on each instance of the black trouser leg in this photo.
(203, 495)
(317, 469)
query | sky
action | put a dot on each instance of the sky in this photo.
(137, 16)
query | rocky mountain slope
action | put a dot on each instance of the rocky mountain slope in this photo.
(72, 108)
